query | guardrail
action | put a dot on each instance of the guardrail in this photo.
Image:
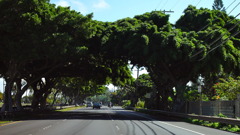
(230, 121)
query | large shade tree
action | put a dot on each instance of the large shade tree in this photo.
(40, 40)
(203, 41)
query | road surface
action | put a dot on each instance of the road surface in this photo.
(104, 121)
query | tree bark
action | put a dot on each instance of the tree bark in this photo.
(10, 76)
(8, 105)
(179, 98)
(55, 97)
(18, 96)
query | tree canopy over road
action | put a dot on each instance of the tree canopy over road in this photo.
(41, 43)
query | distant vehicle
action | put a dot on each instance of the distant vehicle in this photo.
(96, 105)
(89, 104)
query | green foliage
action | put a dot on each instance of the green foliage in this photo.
(69, 109)
(79, 87)
(231, 128)
(140, 104)
(104, 98)
(194, 95)
(144, 85)
(126, 103)
(222, 115)
(228, 88)
(1, 96)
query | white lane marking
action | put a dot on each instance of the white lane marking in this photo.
(182, 128)
(45, 128)
(171, 125)
(117, 128)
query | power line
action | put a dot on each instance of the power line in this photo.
(228, 14)
(164, 4)
(235, 34)
(234, 8)
(198, 3)
(218, 40)
(164, 11)
(230, 4)
(158, 4)
(175, 4)
(219, 29)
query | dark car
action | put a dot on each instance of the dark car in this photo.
(96, 105)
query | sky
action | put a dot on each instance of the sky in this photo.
(112, 10)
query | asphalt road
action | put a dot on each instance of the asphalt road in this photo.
(104, 121)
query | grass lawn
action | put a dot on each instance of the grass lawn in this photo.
(4, 122)
(23, 104)
(70, 109)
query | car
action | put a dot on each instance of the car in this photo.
(96, 105)
(89, 104)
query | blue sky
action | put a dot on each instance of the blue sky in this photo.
(112, 10)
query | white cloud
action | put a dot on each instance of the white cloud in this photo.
(74, 4)
(62, 3)
(78, 6)
(101, 4)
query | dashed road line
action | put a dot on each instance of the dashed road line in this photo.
(117, 128)
(45, 128)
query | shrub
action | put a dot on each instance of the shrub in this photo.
(126, 103)
(140, 104)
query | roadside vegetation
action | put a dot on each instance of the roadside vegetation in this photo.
(4, 122)
(69, 108)
(217, 125)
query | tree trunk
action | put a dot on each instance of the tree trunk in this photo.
(158, 101)
(8, 105)
(54, 97)
(179, 98)
(43, 101)
(18, 96)
(10, 76)
(40, 94)
(134, 100)
(18, 101)
(36, 100)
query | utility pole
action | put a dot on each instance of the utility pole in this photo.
(164, 11)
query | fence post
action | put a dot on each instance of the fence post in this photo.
(218, 107)
(237, 106)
